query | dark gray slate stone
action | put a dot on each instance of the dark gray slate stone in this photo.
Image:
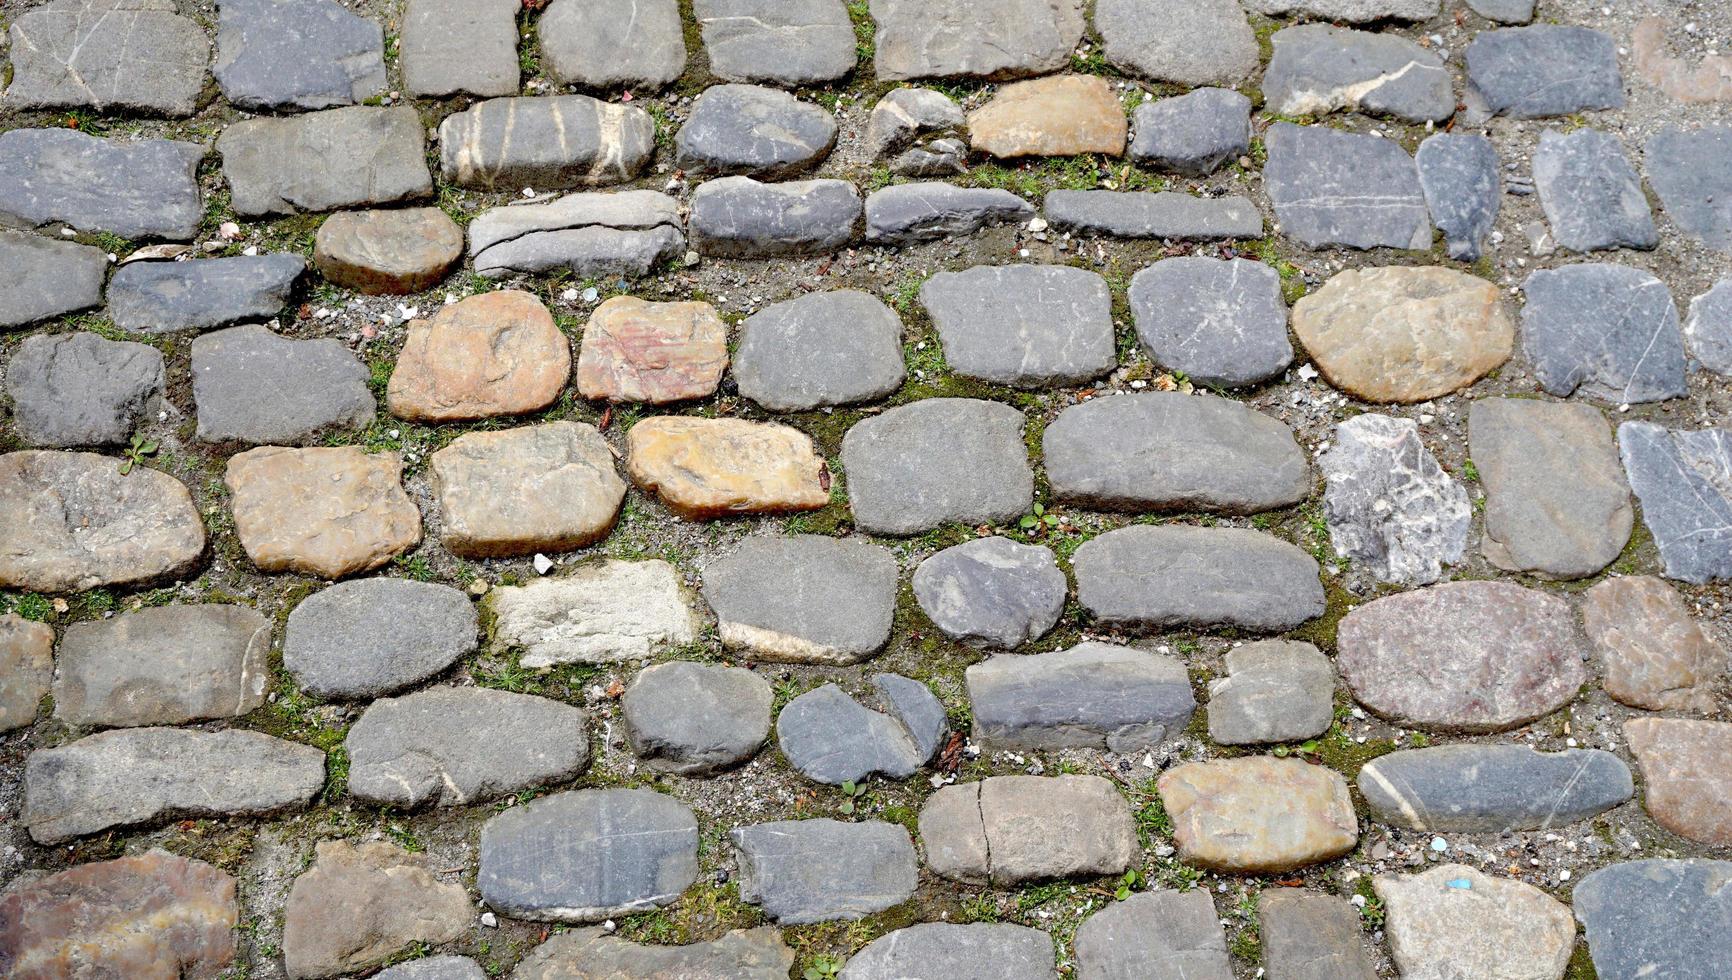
(108, 55)
(587, 855)
(435, 968)
(297, 54)
(904, 214)
(81, 390)
(987, 951)
(1681, 478)
(315, 162)
(805, 598)
(1191, 42)
(741, 218)
(911, 702)
(136, 189)
(1543, 70)
(780, 42)
(1491, 789)
(1163, 214)
(164, 297)
(997, 39)
(1459, 173)
(452, 47)
(609, 44)
(1221, 321)
(1318, 69)
(692, 719)
(1173, 575)
(1658, 918)
(1170, 451)
(906, 114)
(625, 233)
(1389, 506)
(1274, 691)
(1591, 195)
(839, 347)
(1691, 170)
(42, 278)
(545, 143)
(1192, 133)
(374, 636)
(1157, 935)
(992, 592)
(1607, 330)
(251, 385)
(1311, 936)
(1094, 695)
(937, 460)
(163, 666)
(939, 158)
(749, 129)
(803, 871)
(1708, 328)
(1029, 326)
(832, 738)
(143, 776)
(1335, 188)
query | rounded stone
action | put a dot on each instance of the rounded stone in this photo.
(1274, 691)
(613, 43)
(754, 131)
(1258, 814)
(1058, 116)
(373, 636)
(940, 949)
(1221, 322)
(1161, 933)
(1007, 830)
(1492, 789)
(1652, 652)
(693, 719)
(1454, 921)
(1147, 577)
(703, 468)
(548, 487)
(1686, 775)
(81, 390)
(165, 665)
(839, 347)
(328, 511)
(638, 351)
(493, 354)
(387, 252)
(1094, 695)
(1029, 326)
(805, 598)
(830, 737)
(255, 386)
(360, 905)
(938, 460)
(992, 592)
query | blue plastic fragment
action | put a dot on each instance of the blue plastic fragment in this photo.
(1462, 883)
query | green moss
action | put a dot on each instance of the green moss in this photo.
(1581, 964)
(865, 32)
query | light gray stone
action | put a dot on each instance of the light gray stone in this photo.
(1094, 695)
(1691, 170)
(435, 968)
(838, 347)
(937, 460)
(1658, 918)
(1222, 322)
(1390, 507)
(1492, 789)
(1172, 575)
(741, 218)
(1337, 188)
(600, 613)
(134, 189)
(609, 44)
(1190, 43)
(1607, 331)
(1274, 691)
(1591, 195)
(163, 666)
(460, 47)
(1163, 214)
(746, 954)
(546, 143)
(297, 54)
(1311, 936)
(1708, 328)
(779, 42)
(1318, 69)
(992, 592)
(832, 738)
(905, 115)
(1543, 70)
(1684, 480)
(1158, 935)
(996, 39)
(1504, 11)
(904, 214)
(804, 871)
(108, 55)
(374, 636)
(1193, 133)
(166, 297)
(1029, 326)
(81, 390)
(753, 130)
(1008, 830)
(1439, 930)
(922, 715)
(26, 670)
(692, 719)
(625, 233)
(805, 598)
(313, 162)
(257, 387)
(943, 951)
(1349, 11)
(939, 158)
(42, 278)
(1460, 175)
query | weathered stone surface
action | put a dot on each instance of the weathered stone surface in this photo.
(1193, 133)
(1349, 11)
(693, 719)
(833, 738)
(1030, 326)
(460, 47)
(374, 636)
(1462, 656)
(254, 386)
(1504, 11)
(164, 297)
(151, 916)
(940, 949)
(1274, 691)
(940, 158)
(1657, 918)
(741, 218)
(140, 776)
(992, 592)
(601, 613)
(1163, 214)
(1311, 936)
(702, 468)
(638, 351)
(73, 521)
(1094, 695)
(42, 278)
(1460, 175)
(803, 871)
(1708, 328)
(1173, 575)
(108, 55)
(1203, 43)
(548, 487)
(906, 114)
(163, 666)
(781, 42)
(385, 252)
(1609, 331)
(324, 511)
(1492, 789)
(1317, 69)
(449, 746)
(1006, 830)
(749, 129)
(134, 189)
(1493, 927)
(622, 233)
(1389, 505)
(587, 855)
(1157, 935)
(362, 904)
(1258, 814)
(26, 670)
(1689, 171)
(1059, 116)
(1703, 79)
(1591, 195)
(805, 598)
(995, 39)
(78, 389)
(1337, 188)
(1652, 653)
(1543, 70)
(1404, 333)
(309, 163)
(937, 460)
(1680, 477)
(434, 968)
(904, 214)
(490, 354)
(1686, 775)
(545, 142)
(629, 44)
(1220, 321)
(838, 347)
(750, 954)
(297, 54)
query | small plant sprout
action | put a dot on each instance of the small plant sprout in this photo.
(1040, 519)
(851, 791)
(1132, 880)
(135, 453)
(824, 967)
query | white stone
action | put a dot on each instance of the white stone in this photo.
(601, 613)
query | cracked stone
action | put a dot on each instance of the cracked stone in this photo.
(1171, 575)
(360, 905)
(547, 142)
(1274, 691)
(108, 55)
(830, 737)
(1608, 331)
(539, 488)
(198, 294)
(992, 592)
(991, 39)
(1258, 814)
(1652, 653)
(695, 719)
(600, 613)
(1492, 789)
(1389, 506)
(78, 389)
(702, 468)
(1160, 934)
(1028, 326)
(1094, 695)
(1460, 174)
(804, 871)
(486, 355)
(904, 214)
(623, 233)
(1194, 133)
(1337, 188)
(44, 278)
(374, 636)
(1189, 43)
(1318, 69)
(297, 54)
(1438, 930)
(795, 43)
(254, 386)
(613, 44)
(906, 114)
(804, 598)
(1008, 830)
(163, 666)
(1591, 195)
(323, 511)
(658, 353)
(291, 164)
(935, 461)
(1220, 321)
(134, 189)
(838, 347)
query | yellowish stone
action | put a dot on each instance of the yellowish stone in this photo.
(1059, 116)
(1258, 814)
(714, 467)
(325, 511)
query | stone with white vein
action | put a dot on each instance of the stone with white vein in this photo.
(1389, 505)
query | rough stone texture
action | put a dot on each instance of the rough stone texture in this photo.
(1404, 333)
(838, 347)
(26, 669)
(546, 142)
(1258, 814)
(1609, 331)
(151, 916)
(805, 598)
(387, 252)
(135, 777)
(832, 738)
(547, 487)
(904, 214)
(1220, 321)
(1492, 789)
(1686, 775)
(1462, 656)
(78, 389)
(639, 351)
(1029, 326)
(982, 951)
(134, 189)
(1389, 506)
(693, 719)
(943, 157)
(374, 636)
(1059, 116)
(1318, 69)
(1460, 175)
(749, 129)
(254, 386)
(994, 39)
(1338, 188)
(1657, 918)
(324, 511)
(163, 666)
(741, 218)
(297, 54)
(42, 278)
(460, 47)
(1193, 133)
(1709, 328)
(781, 42)
(1688, 79)
(1157, 935)
(1173, 575)
(751, 954)
(1494, 927)
(1543, 70)
(362, 904)
(628, 44)
(992, 592)
(1311, 936)
(309, 163)
(434, 968)
(702, 468)
(108, 55)
(937, 460)
(1007, 830)
(601, 613)
(1201, 43)
(1681, 478)
(904, 115)
(1591, 195)
(596, 234)
(1349, 11)
(1163, 214)
(73, 522)
(490, 354)
(803, 871)
(1274, 691)
(164, 297)
(1504, 11)
(1689, 171)
(450, 746)
(1652, 653)
(587, 855)
(1556, 502)
(1094, 695)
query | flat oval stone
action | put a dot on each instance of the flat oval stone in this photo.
(937, 460)
(134, 189)
(1317, 69)
(1274, 691)
(1388, 504)
(941, 949)
(387, 252)
(1007, 830)
(254, 386)
(1058, 116)
(1159, 933)
(45, 278)
(548, 487)
(992, 592)
(78, 389)
(616, 233)
(27, 664)
(638, 351)
(600, 613)
(1330, 187)
(804, 598)
(163, 666)
(1608, 331)
(903, 214)
(1162, 214)
(1190, 43)
(547, 142)
(374, 636)
(994, 39)
(1590, 193)
(1652, 653)
(1686, 775)
(838, 347)
(1147, 577)
(629, 44)
(1461, 176)
(361, 905)
(832, 738)
(803, 871)
(749, 129)
(1221, 322)
(740, 218)
(1349, 11)
(1031, 326)
(1094, 695)
(780, 42)
(745, 954)
(287, 165)
(324, 511)
(1680, 477)
(1258, 814)
(1543, 70)
(297, 54)
(486, 355)
(702, 468)
(164, 297)
(1438, 930)
(1657, 918)
(110, 55)
(694, 719)
(1492, 789)
(1195, 133)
